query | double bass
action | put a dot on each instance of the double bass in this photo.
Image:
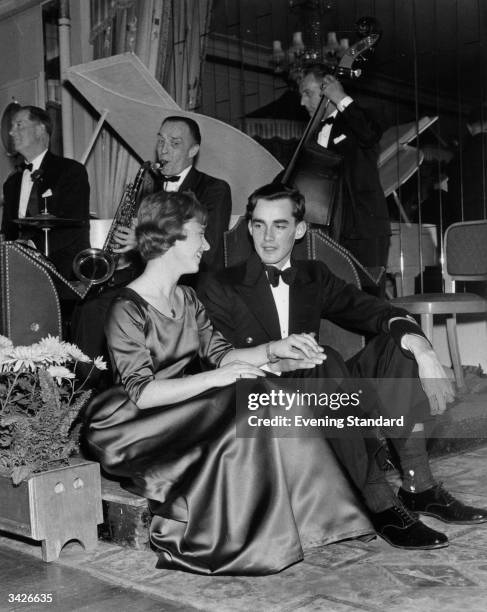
(314, 170)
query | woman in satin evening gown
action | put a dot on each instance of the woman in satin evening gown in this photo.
(220, 504)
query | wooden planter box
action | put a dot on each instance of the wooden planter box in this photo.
(54, 506)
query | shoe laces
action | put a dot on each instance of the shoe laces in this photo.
(405, 514)
(443, 494)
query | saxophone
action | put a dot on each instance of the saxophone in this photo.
(96, 266)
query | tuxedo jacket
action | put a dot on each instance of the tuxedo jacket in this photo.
(355, 135)
(239, 301)
(68, 181)
(216, 197)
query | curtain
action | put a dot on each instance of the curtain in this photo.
(181, 72)
(169, 37)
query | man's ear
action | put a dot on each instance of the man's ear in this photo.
(193, 151)
(249, 225)
(40, 130)
(301, 228)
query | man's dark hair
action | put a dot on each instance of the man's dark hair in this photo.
(277, 191)
(319, 71)
(39, 115)
(193, 127)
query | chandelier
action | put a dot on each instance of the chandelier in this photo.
(311, 45)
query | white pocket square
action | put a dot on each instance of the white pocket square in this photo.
(339, 138)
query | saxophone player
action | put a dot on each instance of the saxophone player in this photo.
(178, 143)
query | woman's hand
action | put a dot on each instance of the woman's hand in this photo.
(228, 374)
(124, 237)
(291, 365)
(296, 346)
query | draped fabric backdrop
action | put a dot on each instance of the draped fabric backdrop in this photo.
(169, 37)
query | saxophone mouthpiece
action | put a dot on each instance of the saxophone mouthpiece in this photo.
(155, 168)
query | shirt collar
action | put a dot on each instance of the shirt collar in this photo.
(37, 161)
(182, 175)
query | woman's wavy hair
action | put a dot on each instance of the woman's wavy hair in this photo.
(161, 218)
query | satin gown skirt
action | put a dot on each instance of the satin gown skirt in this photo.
(221, 504)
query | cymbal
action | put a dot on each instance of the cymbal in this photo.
(48, 221)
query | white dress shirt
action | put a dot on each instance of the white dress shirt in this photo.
(175, 185)
(281, 300)
(324, 135)
(26, 185)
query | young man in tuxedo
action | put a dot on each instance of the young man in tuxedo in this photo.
(352, 131)
(61, 181)
(270, 296)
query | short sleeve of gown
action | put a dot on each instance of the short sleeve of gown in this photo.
(213, 345)
(125, 333)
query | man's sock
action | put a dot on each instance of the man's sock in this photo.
(377, 492)
(415, 466)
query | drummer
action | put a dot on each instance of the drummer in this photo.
(45, 182)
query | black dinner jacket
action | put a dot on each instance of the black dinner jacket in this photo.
(68, 181)
(216, 196)
(355, 135)
(239, 301)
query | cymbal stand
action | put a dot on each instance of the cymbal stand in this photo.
(46, 230)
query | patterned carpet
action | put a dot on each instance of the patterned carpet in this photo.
(337, 578)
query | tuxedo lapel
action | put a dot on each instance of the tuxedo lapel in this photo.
(191, 181)
(257, 295)
(303, 294)
(15, 193)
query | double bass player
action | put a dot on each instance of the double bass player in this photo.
(352, 131)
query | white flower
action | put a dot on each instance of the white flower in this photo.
(5, 343)
(75, 353)
(60, 372)
(53, 349)
(100, 363)
(24, 357)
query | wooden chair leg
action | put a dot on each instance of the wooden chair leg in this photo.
(451, 330)
(427, 326)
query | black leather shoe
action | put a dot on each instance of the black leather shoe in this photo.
(401, 529)
(440, 504)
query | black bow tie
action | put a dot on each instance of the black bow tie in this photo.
(171, 179)
(25, 166)
(327, 121)
(288, 275)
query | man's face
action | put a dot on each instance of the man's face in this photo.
(28, 137)
(274, 230)
(175, 147)
(310, 90)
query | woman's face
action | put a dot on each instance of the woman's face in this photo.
(188, 252)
